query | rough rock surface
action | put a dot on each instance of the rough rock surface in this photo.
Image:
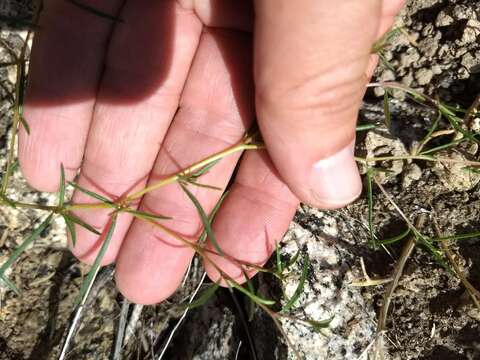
(431, 318)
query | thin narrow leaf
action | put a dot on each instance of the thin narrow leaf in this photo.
(15, 166)
(147, 216)
(25, 124)
(415, 95)
(386, 62)
(472, 169)
(294, 259)
(317, 326)
(301, 284)
(28, 241)
(61, 195)
(455, 108)
(251, 303)
(205, 169)
(458, 237)
(278, 259)
(203, 298)
(254, 297)
(211, 187)
(92, 274)
(211, 217)
(384, 41)
(455, 122)
(365, 127)
(71, 229)
(82, 223)
(443, 147)
(434, 126)
(386, 109)
(91, 193)
(436, 252)
(10, 284)
(94, 11)
(205, 220)
(396, 238)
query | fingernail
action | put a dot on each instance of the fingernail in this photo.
(335, 180)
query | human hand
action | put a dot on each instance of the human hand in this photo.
(133, 101)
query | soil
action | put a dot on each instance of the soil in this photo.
(432, 316)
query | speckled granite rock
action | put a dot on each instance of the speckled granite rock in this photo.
(32, 326)
(328, 293)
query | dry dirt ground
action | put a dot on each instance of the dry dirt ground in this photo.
(431, 316)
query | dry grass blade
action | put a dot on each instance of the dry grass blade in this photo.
(179, 322)
(122, 324)
(397, 273)
(103, 276)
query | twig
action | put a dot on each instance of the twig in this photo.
(398, 270)
(397, 273)
(472, 111)
(179, 322)
(238, 350)
(132, 323)
(122, 323)
(193, 168)
(103, 277)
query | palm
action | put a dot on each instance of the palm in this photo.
(134, 101)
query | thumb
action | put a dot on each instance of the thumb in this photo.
(311, 64)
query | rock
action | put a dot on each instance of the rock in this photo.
(471, 32)
(411, 173)
(461, 12)
(471, 61)
(454, 175)
(443, 19)
(380, 145)
(327, 294)
(424, 76)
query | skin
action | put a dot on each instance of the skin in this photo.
(130, 102)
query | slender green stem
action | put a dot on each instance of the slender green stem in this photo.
(57, 209)
(71, 207)
(35, 206)
(191, 169)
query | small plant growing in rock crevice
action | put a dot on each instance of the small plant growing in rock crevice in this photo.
(452, 124)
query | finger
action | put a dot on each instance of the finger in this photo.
(311, 59)
(227, 14)
(215, 111)
(255, 216)
(148, 61)
(390, 9)
(65, 67)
